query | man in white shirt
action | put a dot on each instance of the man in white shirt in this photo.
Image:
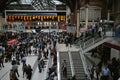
(100, 31)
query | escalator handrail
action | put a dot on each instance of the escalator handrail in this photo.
(58, 66)
(84, 63)
(71, 61)
(93, 41)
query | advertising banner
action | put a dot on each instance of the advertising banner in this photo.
(71, 28)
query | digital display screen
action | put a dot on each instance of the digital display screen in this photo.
(35, 16)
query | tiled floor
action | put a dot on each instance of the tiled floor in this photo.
(4, 72)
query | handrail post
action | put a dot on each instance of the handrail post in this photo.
(93, 40)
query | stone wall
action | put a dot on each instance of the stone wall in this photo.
(98, 3)
(115, 12)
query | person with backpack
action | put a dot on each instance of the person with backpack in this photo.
(29, 72)
(13, 75)
(15, 69)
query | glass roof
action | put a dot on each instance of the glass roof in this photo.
(41, 4)
(29, 1)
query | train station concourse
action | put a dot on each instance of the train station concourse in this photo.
(60, 40)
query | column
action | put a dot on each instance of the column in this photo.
(86, 17)
(78, 23)
(49, 29)
(58, 24)
(0, 22)
(108, 16)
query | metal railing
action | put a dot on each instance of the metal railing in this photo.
(91, 41)
(58, 66)
(86, 69)
(71, 61)
(83, 45)
(58, 63)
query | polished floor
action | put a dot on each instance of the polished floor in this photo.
(32, 60)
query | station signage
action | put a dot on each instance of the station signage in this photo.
(35, 16)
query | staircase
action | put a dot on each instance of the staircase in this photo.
(65, 56)
(78, 66)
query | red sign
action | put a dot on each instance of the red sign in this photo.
(63, 27)
(11, 41)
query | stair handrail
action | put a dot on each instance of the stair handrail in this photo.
(91, 41)
(71, 61)
(86, 69)
(58, 66)
(87, 38)
(58, 62)
(82, 39)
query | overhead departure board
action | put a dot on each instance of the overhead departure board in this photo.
(19, 16)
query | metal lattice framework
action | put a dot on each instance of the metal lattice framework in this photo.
(43, 4)
(49, 4)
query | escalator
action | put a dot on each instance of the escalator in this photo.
(78, 66)
(65, 56)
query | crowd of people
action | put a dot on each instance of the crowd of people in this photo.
(37, 44)
(41, 45)
(106, 69)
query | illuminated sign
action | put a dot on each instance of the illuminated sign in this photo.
(35, 16)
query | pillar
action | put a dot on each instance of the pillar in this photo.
(108, 16)
(86, 17)
(0, 22)
(78, 23)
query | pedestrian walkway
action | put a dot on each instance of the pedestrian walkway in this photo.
(62, 48)
(44, 74)
(4, 72)
(32, 60)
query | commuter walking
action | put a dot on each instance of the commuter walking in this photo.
(13, 61)
(29, 72)
(106, 73)
(13, 75)
(1, 62)
(24, 68)
(74, 78)
(64, 68)
(42, 63)
(15, 69)
(100, 31)
(39, 65)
